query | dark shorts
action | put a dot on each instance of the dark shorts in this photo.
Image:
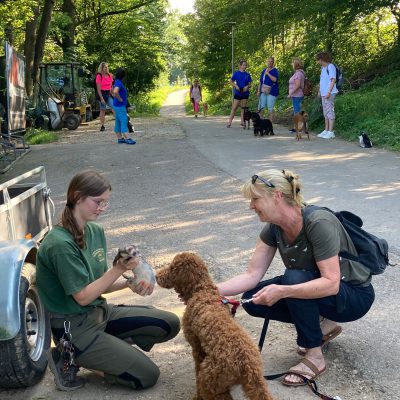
(240, 97)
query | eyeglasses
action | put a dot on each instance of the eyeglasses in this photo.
(103, 204)
(265, 181)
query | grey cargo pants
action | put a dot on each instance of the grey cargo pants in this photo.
(97, 334)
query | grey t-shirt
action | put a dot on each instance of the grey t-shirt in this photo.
(325, 238)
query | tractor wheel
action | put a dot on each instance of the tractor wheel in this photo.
(23, 358)
(72, 122)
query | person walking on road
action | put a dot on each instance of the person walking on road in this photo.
(316, 282)
(327, 92)
(241, 82)
(104, 81)
(195, 96)
(72, 276)
(268, 89)
(120, 103)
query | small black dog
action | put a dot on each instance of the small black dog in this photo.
(262, 126)
(246, 117)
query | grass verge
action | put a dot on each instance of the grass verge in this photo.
(39, 136)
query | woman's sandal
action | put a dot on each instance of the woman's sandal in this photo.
(228, 125)
(337, 330)
(313, 374)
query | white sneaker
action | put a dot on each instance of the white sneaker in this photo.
(328, 135)
(322, 133)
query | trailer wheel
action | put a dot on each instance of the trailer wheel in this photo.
(22, 359)
(72, 122)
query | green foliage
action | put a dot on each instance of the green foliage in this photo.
(39, 136)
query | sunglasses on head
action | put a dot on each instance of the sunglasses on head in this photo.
(265, 181)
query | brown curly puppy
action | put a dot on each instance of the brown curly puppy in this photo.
(223, 353)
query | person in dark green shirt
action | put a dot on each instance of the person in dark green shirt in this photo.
(72, 276)
(318, 288)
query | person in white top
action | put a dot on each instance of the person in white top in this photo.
(327, 92)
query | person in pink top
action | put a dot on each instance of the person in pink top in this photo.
(104, 82)
(195, 96)
(296, 85)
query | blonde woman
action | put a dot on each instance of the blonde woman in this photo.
(315, 283)
(104, 82)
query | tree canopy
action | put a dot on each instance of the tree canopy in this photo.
(356, 33)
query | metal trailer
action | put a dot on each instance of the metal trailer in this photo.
(25, 218)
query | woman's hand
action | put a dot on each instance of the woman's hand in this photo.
(126, 264)
(246, 88)
(328, 95)
(268, 295)
(102, 101)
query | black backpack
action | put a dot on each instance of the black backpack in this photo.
(372, 251)
(339, 77)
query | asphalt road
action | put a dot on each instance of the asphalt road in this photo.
(178, 189)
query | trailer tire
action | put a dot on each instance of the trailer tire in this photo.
(72, 122)
(23, 358)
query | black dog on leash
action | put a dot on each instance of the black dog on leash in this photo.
(262, 126)
(246, 117)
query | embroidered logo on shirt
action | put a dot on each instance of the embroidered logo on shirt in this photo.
(99, 255)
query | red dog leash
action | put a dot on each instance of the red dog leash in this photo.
(234, 303)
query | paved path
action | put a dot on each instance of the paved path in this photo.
(335, 173)
(179, 189)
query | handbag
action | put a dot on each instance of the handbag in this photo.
(266, 89)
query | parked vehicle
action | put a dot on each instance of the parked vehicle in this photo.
(25, 335)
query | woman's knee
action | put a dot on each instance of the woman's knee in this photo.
(174, 324)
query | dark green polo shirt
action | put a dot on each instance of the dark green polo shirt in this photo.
(64, 269)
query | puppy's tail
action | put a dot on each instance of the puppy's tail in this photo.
(255, 386)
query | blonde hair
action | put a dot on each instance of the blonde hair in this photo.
(297, 63)
(101, 66)
(286, 181)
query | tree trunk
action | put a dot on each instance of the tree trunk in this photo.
(41, 37)
(29, 50)
(396, 13)
(330, 25)
(68, 34)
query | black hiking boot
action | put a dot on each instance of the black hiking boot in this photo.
(64, 374)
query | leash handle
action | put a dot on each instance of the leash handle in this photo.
(309, 382)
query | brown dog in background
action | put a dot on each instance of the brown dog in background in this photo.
(301, 125)
(205, 109)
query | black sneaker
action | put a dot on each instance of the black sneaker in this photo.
(292, 130)
(64, 374)
(102, 129)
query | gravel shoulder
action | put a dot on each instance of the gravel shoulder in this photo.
(167, 197)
